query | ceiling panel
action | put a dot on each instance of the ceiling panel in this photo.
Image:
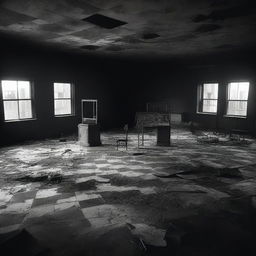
(146, 26)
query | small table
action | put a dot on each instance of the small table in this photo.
(239, 133)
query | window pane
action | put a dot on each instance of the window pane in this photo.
(24, 89)
(62, 90)
(210, 91)
(11, 110)
(210, 106)
(62, 107)
(25, 109)
(237, 108)
(9, 89)
(238, 91)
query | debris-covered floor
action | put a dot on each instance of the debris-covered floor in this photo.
(192, 198)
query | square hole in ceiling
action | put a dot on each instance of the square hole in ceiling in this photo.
(104, 21)
(90, 47)
(147, 36)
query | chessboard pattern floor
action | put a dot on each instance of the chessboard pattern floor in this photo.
(62, 193)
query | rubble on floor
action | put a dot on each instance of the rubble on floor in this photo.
(188, 199)
(223, 139)
(42, 177)
(204, 171)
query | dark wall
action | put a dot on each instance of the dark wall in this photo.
(92, 78)
(223, 74)
(177, 84)
(122, 86)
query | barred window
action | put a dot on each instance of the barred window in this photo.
(208, 98)
(63, 99)
(237, 98)
(17, 100)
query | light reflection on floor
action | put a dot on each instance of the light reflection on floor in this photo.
(103, 190)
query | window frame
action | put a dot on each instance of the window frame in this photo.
(31, 99)
(227, 99)
(72, 99)
(200, 97)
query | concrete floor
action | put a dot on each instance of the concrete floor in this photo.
(192, 198)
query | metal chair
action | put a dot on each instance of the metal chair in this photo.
(123, 142)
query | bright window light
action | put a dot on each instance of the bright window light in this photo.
(62, 99)
(17, 100)
(209, 98)
(237, 98)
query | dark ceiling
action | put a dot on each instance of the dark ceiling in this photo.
(166, 27)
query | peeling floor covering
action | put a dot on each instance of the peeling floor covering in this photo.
(111, 202)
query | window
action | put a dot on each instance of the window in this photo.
(208, 98)
(237, 98)
(62, 99)
(17, 100)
